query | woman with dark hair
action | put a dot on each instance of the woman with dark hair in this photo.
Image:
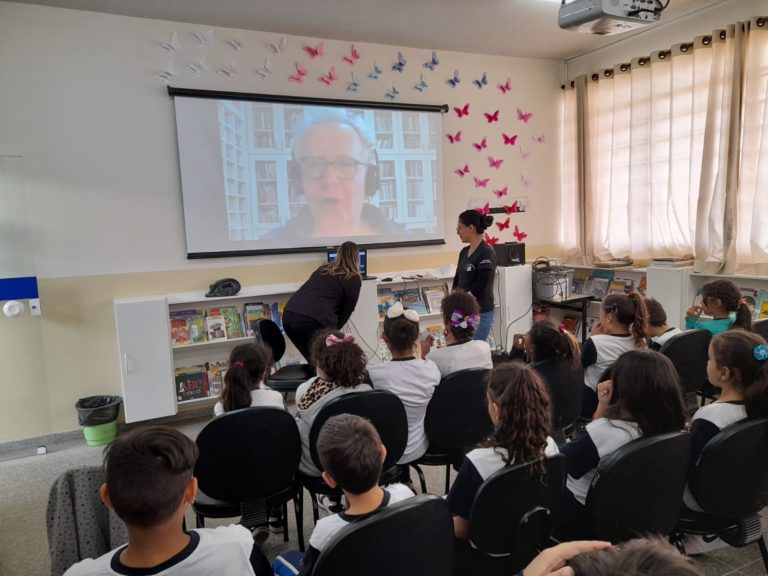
(477, 266)
(326, 300)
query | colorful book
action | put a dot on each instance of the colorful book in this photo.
(411, 298)
(180, 332)
(195, 321)
(762, 306)
(216, 372)
(386, 299)
(191, 383)
(277, 313)
(216, 327)
(233, 323)
(751, 297)
(253, 312)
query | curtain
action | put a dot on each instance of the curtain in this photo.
(656, 152)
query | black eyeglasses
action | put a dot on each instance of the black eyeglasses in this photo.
(314, 167)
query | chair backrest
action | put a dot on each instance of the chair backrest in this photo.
(266, 332)
(409, 538)
(730, 477)
(384, 410)
(761, 327)
(638, 489)
(565, 383)
(688, 352)
(248, 454)
(517, 507)
(457, 415)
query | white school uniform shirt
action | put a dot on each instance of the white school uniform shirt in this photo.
(455, 357)
(608, 348)
(414, 382)
(664, 336)
(259, 397)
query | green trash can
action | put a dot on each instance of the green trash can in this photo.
(98, 417)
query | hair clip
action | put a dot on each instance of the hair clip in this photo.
(397, 310)
(238, 363)
(731, 317)
(761, 352)
(332, 339)
(459, 320)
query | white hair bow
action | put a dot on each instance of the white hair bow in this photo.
(397, 310)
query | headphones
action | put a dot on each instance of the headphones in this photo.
(371, 176)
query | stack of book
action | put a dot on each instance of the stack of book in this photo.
(425, 300)
(672, 262)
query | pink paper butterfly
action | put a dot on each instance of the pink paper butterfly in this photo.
(524, 116)
(491, 240)
(485, 209)
(353, 56)
(462, 171)
(520, 236)
(483, 144)
(492, 117)
(453, 138)
(510, 140)
(501, 192)
(481, 182)
(315, 51)
(540, 139)
(503, 225)
(461, 112)
(511, 209)
(506, 87)
(329, 78)
(525, 182)
(525, 155)
(493, 163)
(300, 73)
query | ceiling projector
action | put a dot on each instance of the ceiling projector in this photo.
(609, 16)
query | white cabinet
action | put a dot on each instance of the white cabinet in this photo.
(513, 312)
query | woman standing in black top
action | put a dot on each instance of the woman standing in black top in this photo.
(326, 300)
(477, 266)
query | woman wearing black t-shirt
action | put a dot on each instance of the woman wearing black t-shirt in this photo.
(326, 300)
(477, 266)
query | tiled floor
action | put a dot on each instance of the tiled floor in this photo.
(25, 481)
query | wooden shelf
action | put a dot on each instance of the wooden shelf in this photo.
(222, 342)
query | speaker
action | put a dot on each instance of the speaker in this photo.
(371, 176)
(510, 254)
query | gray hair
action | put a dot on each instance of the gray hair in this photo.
(314, 116)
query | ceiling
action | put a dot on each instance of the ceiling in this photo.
(523, 28)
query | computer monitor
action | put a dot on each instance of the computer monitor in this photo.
(363, 263)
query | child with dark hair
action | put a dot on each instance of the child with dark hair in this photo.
(722, 300)
(639, 557)
(149, 484)
(248, 366)
(643, 398)
(411, 379)
(340, 366)
(351, 452)
(519, 407)
(461, 316)
(622, 326)
(658, 329)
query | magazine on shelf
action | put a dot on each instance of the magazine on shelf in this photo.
(762, 306)
(277, 313)
(233, 324)
(191, 383)
(180, 332)
(216, 327)
(751, 297)
(253, 312)
(386, 299)
(190, 327)
(433, 297)
(411, 298)
(216, 372)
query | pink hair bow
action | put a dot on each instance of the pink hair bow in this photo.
(332, 339)
(459, 320)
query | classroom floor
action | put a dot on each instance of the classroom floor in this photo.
(25, 481)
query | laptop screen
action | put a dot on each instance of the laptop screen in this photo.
(363, 263)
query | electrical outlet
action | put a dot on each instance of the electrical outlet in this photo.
(34, 306)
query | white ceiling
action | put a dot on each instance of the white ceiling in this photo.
(524, 28)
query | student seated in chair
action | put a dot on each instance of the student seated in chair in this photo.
(658, 329)
(352, 454)
(150, 486)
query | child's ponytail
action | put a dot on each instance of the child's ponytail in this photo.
(756, 394)
(743, 318)
(640, 321)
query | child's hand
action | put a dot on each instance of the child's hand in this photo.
(605, 392)
(518, 341)
(426, 342)
(597, 328)
(693, 312)
(551, 562)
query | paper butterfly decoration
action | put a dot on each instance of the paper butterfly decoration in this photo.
(520, 236)
(199, 67)
(300, 73)
(494, 163)
(315, 51)
(540, 139)
(510, 140)
(227, 70)
(480, 145)
(453, 82)
(481, 82)
(481, 182)
(461, 112)
(491, 118)
(506, 87)
(352, 57)
(501, 192)
(484, 210)
(167, 74)
(525, 182)
(453, 138)
(433, 62)
(375, 73)
(277, 47)
(524, 116)
(503, 225)
(173, 45)
(392, 94)
(462, 171)
(399, 66)
(203, 38)
(236, 45)
(525, 155)
(516, 208)
(491, 240)
(354, 85)
(329, 78)
(265, 70)
(421, 84)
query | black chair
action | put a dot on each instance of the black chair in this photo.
(457, 419)
(514, 514)
(688, 352)
(565, 383)
(248, 464)
(638, 489)
(287, 378)
(385, 411)
(409, 538)
(730, 482)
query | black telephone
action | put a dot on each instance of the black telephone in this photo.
(223, 287)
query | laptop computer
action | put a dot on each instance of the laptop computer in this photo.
(363, 262)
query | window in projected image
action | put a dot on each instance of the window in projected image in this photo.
(293, 173)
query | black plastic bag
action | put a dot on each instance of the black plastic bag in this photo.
(95, 410)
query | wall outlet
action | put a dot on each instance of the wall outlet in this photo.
(34, 306)
(42, 450)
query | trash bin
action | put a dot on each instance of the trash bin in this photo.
(98, 417)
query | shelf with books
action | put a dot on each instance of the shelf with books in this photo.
(220, 342)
